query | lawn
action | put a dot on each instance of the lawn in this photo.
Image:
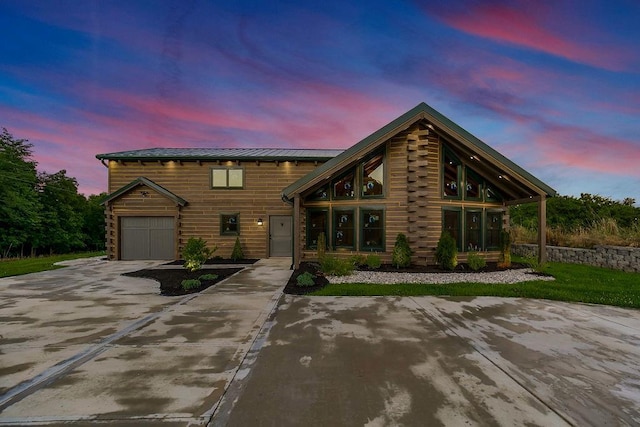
(574, 283)
(17, 267)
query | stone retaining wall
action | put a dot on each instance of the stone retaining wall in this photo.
(620, 258)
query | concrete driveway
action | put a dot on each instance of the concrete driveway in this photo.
(84, 344)
(427, 361)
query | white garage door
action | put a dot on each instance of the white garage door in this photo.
(146, 237)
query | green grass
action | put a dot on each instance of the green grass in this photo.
(574, 283)
(21, 266)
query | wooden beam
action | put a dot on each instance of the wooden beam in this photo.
(542, 230)
(296, 231)
(523, 201)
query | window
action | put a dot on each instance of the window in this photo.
(473, 185)
(230, 224)
(373, 177)
(451, 224)
(343, 229)
(319, 194)
(372, 227)
(473, 231)
(451, 175)
(492, 195)
(494, 227)
(317, 222)
(344, 188)
(227, 178)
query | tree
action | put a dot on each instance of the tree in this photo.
(93, 222)
(20, 205)
(61, 214)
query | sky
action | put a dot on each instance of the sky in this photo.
(553, 85)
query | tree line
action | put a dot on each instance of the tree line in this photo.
(571, 213)
(43, 213)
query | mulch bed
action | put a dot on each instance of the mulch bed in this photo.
(214, 261)
(170, 279)
(321, 281)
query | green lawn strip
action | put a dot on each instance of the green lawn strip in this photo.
(17, 267)
(574, 283)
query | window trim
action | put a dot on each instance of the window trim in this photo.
(229, 233)
(384, 176)
(334, 227)
(309, 211)
(446, 151)
(353, 171)
(479, 211)
(481, 184)
(361, 214)
(486, 229)
(227, 187)
(459, 210)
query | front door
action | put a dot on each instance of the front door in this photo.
(280, 233)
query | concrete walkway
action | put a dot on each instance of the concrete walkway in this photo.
(427, 361)
(84, 344)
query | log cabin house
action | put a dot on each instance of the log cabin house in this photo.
(418, 175)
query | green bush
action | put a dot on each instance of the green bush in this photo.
(195, 253)
(305, 279)
(476, 261)
(401, 256)
(373, 261)
(237, 253)
(322, 246)
(505, 249)
(358, 260)
(447, 252)
(333, 266)
(189, 284)
(208, 277)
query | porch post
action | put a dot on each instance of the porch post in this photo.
(296, 231)
(542, 229)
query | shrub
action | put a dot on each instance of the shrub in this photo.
(505, 250)
(333, 266)
(358, 260)
(190, 284)
(401, 256)
(447, 252)
(373, 261)
(195, 253)
(305, 279)
(237, 253)
(534, 263)
(476, 261)
(322, 246)
(208, 277)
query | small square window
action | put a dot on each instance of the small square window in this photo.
(227, 178)
(230, 224)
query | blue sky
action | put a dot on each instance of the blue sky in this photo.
(553, 85)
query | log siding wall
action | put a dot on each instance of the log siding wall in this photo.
(260, 198)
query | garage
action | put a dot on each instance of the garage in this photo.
(147, 237)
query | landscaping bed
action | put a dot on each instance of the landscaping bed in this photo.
(320, 280)
(171, 279)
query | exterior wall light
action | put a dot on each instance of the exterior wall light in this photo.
(260, 221)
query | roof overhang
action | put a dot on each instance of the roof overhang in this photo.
(179, 201)
(508, 177)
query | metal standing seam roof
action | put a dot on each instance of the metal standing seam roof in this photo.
(266, 154)
(421, 111)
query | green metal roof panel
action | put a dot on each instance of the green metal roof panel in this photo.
(421, 111)
(265, 154)
(144, 181)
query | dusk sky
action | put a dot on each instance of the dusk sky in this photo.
(553, 85)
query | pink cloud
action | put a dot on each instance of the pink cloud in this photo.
(527, 27)
(570, 146)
